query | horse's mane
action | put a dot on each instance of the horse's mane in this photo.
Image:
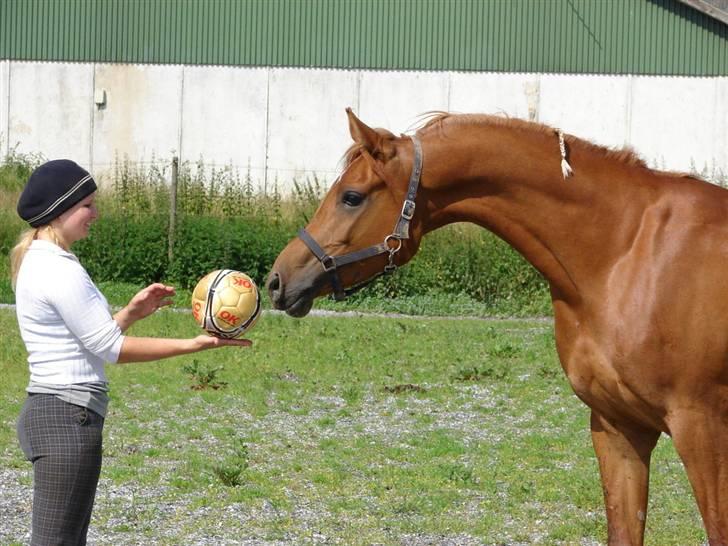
(434, 120)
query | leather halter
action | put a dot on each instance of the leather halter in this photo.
(400, 233)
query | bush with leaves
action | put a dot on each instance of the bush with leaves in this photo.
(223, 222)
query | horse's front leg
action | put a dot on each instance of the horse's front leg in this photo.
(700, 435)
(624, 454)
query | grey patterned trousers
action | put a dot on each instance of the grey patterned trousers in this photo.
(63, 441)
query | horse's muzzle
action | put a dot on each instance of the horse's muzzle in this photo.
(297, 307)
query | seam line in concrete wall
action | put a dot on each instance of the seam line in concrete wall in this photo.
(93, 118)
(721, 127)
(357, 91)
(449, 90)
(6, 151)
(181, 118)
(628, 112)
(266, 131)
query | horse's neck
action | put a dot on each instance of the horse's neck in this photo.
(564, 227)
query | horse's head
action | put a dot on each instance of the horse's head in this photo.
(363, 227)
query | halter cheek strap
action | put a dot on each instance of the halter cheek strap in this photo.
(399, 233)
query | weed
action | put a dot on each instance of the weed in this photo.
(229, 475)
(352, 394)
(458, 473)
(480, 373)
(407, 387)
(548, 371)
(504, 349)
(469, 374)
(203, 376)
(230, 471)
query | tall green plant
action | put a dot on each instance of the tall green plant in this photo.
(306, 196)
(15, 168)
(139, 188)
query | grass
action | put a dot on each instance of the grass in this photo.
(361, 430)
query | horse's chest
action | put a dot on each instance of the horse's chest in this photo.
(599, 380)
(587, 369)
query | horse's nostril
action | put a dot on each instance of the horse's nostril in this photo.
(274, 283)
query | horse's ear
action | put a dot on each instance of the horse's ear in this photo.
(361, 133)
(370, 139)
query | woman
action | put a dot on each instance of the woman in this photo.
(69, 334)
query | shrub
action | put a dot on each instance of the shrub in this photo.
(222, 222)
(128, 249)
(205, 243)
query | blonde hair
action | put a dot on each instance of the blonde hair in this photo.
(26, 238)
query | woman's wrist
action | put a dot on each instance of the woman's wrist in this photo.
(122, 319)
(126, 317)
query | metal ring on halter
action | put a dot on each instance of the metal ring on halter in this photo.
(391, 266)
(389, 238)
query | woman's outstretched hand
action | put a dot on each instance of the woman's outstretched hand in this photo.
(212, 342)
(144, 349)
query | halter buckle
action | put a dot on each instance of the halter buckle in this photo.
(408, 209)
(328, 263)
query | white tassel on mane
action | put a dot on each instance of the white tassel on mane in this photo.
(566, 169)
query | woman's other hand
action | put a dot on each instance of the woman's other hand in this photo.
(153, 297)
(144, 303)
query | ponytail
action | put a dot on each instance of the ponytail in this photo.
(24, 241)
(18, 253)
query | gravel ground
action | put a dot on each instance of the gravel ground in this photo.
(16, 494)
(131, 504)
(15, 513)
(123, 514)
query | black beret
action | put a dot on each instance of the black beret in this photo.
(52, 189)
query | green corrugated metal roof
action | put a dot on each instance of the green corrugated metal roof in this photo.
(564, 36)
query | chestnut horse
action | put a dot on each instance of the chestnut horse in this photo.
(636, 261)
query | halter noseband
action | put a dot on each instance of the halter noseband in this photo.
(400, 232)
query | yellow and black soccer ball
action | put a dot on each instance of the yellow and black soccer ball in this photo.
(226, 303)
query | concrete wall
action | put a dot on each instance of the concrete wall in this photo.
(279, 124)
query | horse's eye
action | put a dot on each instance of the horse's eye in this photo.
(352, 198)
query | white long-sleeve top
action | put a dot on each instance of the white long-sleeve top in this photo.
(64, 320)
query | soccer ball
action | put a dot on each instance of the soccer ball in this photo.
(226, 303)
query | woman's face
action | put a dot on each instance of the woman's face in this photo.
(74, 224)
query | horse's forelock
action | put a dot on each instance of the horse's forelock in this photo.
(351, 154)
(355, 149)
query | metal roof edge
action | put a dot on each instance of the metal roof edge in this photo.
(717, 9)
